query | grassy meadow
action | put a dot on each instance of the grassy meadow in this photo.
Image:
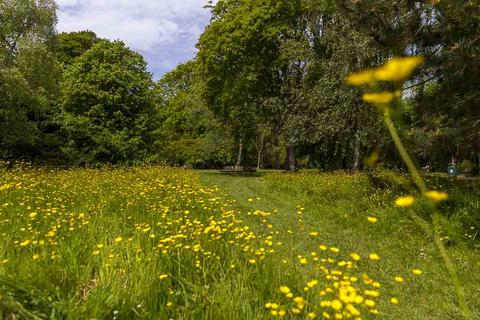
(160, 243)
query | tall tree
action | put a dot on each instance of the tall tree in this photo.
(28, 76)
(107, 108)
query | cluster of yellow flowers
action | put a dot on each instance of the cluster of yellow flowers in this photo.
(395, 70)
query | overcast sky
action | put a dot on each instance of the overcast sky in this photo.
(163, 31)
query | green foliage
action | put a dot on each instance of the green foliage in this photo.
(189, 132)
(107, 109)
(28, 74)
(72, 45)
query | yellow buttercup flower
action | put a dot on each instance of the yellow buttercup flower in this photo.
(398, 69)
(417, 272)
(394, 300)
(372, 219)
(355, 256)
(384, 97)
(284, 289)
(405, 202)
(436, 196)
(361, 78)
(374, 257)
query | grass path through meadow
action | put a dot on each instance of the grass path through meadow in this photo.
(337, 206)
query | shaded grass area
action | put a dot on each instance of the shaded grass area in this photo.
(337, 206)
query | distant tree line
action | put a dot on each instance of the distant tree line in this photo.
(266, 88)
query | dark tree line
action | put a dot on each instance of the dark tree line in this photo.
(266, 88)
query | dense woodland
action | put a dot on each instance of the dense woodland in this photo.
(265, 89)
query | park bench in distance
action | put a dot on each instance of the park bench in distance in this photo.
(238, 170)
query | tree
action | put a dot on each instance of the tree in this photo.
(189, 132)
(72, 45)
(239, 59)
(28, 76)
(108, 113)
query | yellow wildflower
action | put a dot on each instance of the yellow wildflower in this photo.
(394, 300)
(118, 240)
(436, 196)
(284, 289)
(296, 311)
(312, 283)
(384, 97)
(398, 279)
(25, 243)
(361, 78)
(299, 301)
(417, 272)
(372, 219)
(370, 303)
(163, 276)
(336, 304)
(404, 202)
(374, 257)
(355, 256)
(398, 69)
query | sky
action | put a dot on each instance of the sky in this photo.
(163, 31)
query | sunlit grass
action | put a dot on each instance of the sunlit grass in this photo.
(157, 243)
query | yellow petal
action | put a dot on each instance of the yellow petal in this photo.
(405, 202)
(384, 97)
(398, 69)
(361, 78)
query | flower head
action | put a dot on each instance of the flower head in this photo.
(384, 97)
(436, 196)
(398, 69)
(405, 202)
(361, 78)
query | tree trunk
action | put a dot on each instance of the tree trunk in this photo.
(276, 147)
(260, 150)
(290, 163)
(356, 152)
(240, 150)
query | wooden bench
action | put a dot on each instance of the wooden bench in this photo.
(238, 170)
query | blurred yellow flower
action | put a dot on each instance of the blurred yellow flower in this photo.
(398, 69)
(398, 279)
(284, 289)
(355, 256)
(405, 202)
(374, 257)
(372, 219)
(384, 97)
(119, 239)
(436, 196)
(394, 300)
(417, 272)
(361, 78)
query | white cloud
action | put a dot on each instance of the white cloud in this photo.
(165, 30)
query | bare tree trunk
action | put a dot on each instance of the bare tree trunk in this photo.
(260, 150)
(290, 163)
(240, 150)
(356, 152)
(276, 147)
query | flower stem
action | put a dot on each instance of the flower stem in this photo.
(417, 178)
